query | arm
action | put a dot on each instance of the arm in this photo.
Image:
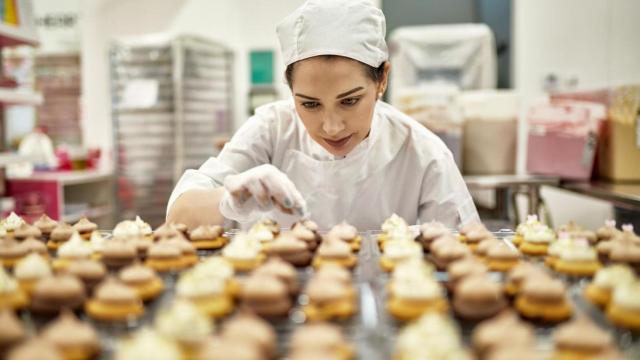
(197, 206)
(445, 197)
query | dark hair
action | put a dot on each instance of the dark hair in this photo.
(374, 73)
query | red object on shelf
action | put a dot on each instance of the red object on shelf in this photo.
(34, 198)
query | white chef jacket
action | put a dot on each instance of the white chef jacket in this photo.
(401, 167)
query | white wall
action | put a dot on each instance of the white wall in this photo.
(595, 41)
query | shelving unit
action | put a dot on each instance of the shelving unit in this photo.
(172, 97)
(66, 196)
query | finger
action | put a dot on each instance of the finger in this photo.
(281, 208)
(260, 194)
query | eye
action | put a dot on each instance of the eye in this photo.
(350, 101)
(310, 104)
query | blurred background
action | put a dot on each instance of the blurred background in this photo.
(107, 102)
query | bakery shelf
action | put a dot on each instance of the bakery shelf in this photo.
(19, 97)
(7, 158)
(16, 35)
(72, 177)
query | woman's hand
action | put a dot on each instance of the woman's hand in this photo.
(260, 189)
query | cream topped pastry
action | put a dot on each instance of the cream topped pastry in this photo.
(147, 344)
(32, 268)
(25, 230)
(145, 228)
(74, 338)
(127, 229)
(85, 227)
(184, 323)
(12, 222)
(75, 248)
(45, 224)
(97, 241)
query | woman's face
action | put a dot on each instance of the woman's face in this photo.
(335, 100)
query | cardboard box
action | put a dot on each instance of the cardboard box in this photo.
(619, 155)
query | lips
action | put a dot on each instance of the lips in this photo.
(338, 143)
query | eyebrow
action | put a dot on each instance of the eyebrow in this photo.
(346, 93)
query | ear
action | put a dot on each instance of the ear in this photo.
(385, 78)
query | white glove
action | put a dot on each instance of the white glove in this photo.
(259, 190)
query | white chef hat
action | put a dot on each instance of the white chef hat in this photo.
(349, 28)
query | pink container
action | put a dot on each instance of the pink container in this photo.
(562, 139)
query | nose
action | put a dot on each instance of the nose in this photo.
(333, 125)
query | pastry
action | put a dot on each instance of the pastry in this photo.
(447, 253)
(473, 236)
(185, 324)
(430, 231)
(114, 301)
(433, 336)
(208, 237)
(188, 253)
(12, 222)
(623, 252)
(145, 228)
(328, 300)
(165, 257)
(147, 344)
(441, 241)
(262, 234)
(232, 348)
(217, 266)
(282, 270)
(346, 233)
(520, 352)
(576, 231)
(25, 230)
(143, 280)
(624, 308)
(164, 231)
(409, 298)
(517, 276)
(480, 251)
(501, 257)
(266, 296)
(29, 270)
(98, 243)
(143, 244)
(477, 298)
(321, 337)
(581, 339)
(85, 227)
(599, 291)
(243, 252)
(35, 348)
(11, 295)
(628, 235)
(532, 221)
(51, 294)
(11, 252)
(307, 231)
(250, 328)
(543, 298)
(397, 251)
(577, 261)
(603, 248)
(76, 248)
(392, 224)
(504, 330)
(12, 331)
(335, 252)
(46, 225)
(35, 246)
(117, 254)
(60, 234)
(462, 269)
(536, 240)
(208, 294)
(608, 231)
(90, 272)
(73, 338)
(337, 273)
(268, 224)
(287, 247)
(556, 247)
